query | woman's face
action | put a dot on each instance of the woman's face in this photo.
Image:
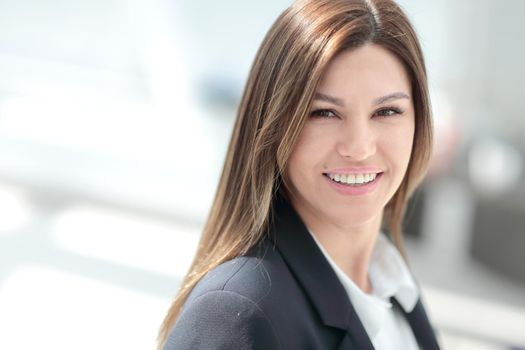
(354, 149)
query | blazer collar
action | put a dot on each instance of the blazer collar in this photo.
(311, 269)
(322, 286)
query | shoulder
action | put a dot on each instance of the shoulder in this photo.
(226, 308)
(250, 276)
(222, 320)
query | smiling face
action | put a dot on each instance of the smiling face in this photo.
(354, 149)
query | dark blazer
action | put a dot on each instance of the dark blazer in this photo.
(282, 295)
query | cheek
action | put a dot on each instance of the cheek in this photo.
(398, 145)
(298, 161)
(310, 144)
(408, 143)
(307, 156)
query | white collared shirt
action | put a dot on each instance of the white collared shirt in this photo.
(385, 325)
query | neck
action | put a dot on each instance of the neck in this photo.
(350, 247)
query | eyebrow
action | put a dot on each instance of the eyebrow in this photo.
(340, 102)
(327, 98)
(391, 97)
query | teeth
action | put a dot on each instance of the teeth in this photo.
(353, 179)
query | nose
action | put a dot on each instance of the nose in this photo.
(356, 140)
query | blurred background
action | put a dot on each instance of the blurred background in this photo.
(114, 122)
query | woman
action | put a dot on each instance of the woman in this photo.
(333, 133)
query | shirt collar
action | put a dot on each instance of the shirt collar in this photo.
(389, 276)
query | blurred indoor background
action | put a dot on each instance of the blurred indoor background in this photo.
(114, 122)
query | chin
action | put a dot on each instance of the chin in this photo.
(354, 218)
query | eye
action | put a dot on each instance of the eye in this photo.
(322, 114)
(388, 112)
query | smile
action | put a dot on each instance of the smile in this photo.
(352, 179)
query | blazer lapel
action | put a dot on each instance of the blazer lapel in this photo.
(420, 325)
(315, 274)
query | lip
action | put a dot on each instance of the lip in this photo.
(354, 170)
(354, 191)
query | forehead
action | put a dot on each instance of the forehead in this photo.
(368, 71)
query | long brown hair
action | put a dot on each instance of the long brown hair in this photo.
(273, 109)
